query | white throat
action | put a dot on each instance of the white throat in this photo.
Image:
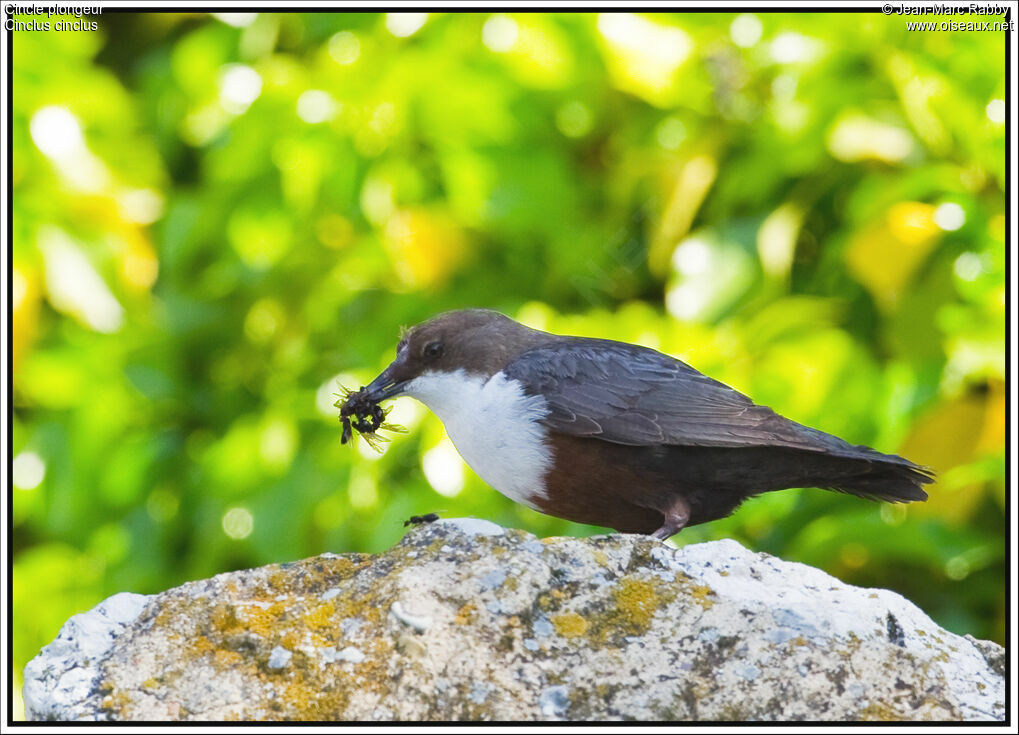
(495, 427)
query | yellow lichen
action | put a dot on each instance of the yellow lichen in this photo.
(368, 608)
(118, 701)
(225, 659)
(262, 621)
(637, 602)
(702, 594)
(881, 712)
(569, 624)
(466, 614)
(224, 618)
(202, 645)
(279, 580)
(321, 616)
(306, 700)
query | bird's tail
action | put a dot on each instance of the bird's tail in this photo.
(887, 477)
(835, 464)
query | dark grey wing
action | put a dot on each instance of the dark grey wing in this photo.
(628, 394)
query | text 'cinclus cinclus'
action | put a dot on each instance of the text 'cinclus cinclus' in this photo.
(614, 434)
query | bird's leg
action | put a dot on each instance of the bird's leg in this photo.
(676, 517)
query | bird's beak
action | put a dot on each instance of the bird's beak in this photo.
(386, 385)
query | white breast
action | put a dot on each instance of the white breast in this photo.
(494, 426)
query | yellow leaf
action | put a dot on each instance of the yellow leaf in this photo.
(884, 256)
(425, 248)
(25, 293)
(955, 433)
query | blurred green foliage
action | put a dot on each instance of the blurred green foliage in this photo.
(216, 217)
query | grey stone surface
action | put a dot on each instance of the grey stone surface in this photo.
(465, 620)
(59, 680)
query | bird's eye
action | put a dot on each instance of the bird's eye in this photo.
(432, 350)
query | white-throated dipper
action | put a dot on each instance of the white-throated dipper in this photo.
(614, 434)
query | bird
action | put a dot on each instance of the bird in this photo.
(614, 434)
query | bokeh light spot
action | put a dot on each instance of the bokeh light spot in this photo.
(263, 319)
(670, 133)
(277, 444)
(692, 257)
(500, 33)
(574, 119)
(19, 288)
(957, 568)
(143, 206)
(444, 469)
(237, 20)
(238, 523)
(894, 514)
(377, 200)
(316, 106)
(856, 137)
(949, 216)
(56, 132)
(239, 86)
(344, 48)
(28, 470)
(665, 45)
(684, 301)
(746, 30)
(403, 25)
(996, 111)
(968, 266)
(73, 284)
(791, 48)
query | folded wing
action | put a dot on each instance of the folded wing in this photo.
(628, 394)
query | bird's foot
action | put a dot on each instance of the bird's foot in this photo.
(676, 517)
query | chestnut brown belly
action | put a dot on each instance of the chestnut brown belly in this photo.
(627, 488)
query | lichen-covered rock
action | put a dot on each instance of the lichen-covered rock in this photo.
(464, 620)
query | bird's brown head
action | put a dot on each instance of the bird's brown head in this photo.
(476, 341)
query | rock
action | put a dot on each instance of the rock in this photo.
(60, 679)
(465, 620)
